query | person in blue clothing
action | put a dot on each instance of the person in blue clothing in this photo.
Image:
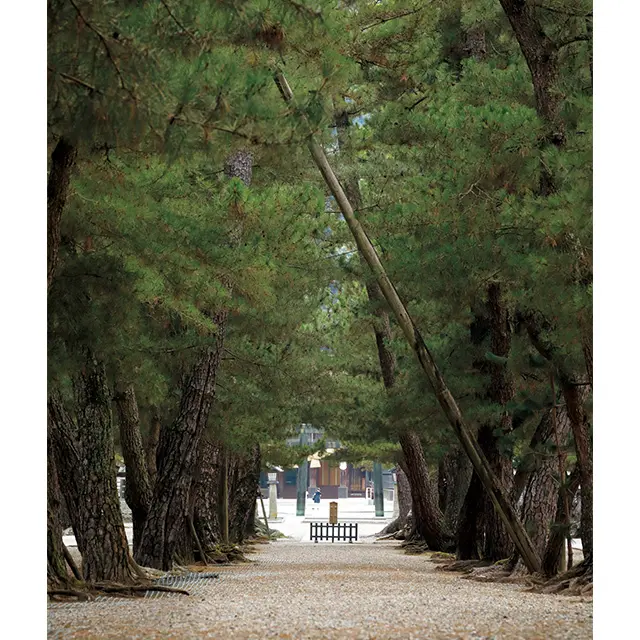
(316, 498)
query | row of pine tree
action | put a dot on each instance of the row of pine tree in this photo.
(207, 291)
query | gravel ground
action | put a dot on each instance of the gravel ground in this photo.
(301, 590)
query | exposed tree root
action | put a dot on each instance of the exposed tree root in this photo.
(415, 547)
(55, 594)
(462, 566)
(90, 591)
(578, 581)
(440, 557)
(137, 589)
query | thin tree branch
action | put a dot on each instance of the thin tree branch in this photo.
(563, 11)
(581, 38)
(75, 80)
(105, 44)
(416, 103)
(180, 25)
(396, 17)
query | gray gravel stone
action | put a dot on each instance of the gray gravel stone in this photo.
(334, 591)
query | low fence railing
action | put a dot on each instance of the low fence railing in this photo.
(347, 531)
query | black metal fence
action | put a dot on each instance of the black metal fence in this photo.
(346, 531)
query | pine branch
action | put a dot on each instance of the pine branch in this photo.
(396, 17)
(563, 11)
(75, 80)
(581, 38)
(107, 49)
(180, 25)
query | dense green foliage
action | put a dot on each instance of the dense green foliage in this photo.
(448, 158)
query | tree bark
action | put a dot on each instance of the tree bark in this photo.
(86, 461)
(63, 160)
(206, 516)
(151, 448)
(455, 481)
(540, 476)
(497, 543)
(541, 55)
(575, 389)
(243, 485)
(469, 534)
(428, 520)
(167, 535)
(138, 492)
(560, 533)
(57, 575)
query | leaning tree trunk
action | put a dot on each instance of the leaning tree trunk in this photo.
(416, 342)
(137, 492)
(428, 521)
(63, 160)
(86, 461)
(167, 535)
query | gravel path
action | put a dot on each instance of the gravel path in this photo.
(296, 590)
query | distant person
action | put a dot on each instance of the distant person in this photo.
(316, 498)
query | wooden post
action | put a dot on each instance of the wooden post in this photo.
(468, 442)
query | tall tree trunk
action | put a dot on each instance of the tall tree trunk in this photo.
(166, 535)
(206, 517)
(560, 533)
(86, 461)
(497, 543)
(57, 576)
(575, 390)
(469, 534)
(138, 492)
(151, 447)
(63, 160)
(243, 488)
(573, 396)
(456, 472)
(540, 475)
(541, 55)
(428, 520)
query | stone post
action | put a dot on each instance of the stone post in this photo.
(343, 489)
(396, 503)
(378, 495)
(273, 496)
